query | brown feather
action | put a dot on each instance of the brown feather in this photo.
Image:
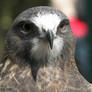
(51, 78)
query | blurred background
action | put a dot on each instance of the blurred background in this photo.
(78, 12)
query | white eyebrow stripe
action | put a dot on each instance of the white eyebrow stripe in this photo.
(47, 21)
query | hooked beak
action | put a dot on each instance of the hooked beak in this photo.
(50, 38)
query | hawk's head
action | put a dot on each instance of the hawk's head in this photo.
(41, 33)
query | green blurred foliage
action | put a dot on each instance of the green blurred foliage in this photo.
(9, 9)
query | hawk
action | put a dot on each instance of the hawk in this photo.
(39, 54)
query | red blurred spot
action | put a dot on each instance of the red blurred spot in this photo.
(79, 28)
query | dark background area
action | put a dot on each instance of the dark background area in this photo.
(89, 21)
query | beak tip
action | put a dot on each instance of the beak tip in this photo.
(50, 38)
(51, 45)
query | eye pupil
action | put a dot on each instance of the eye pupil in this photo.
(26, 27)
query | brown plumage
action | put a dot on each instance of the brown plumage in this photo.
(19, 73)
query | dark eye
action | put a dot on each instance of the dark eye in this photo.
(63, 27)
(25, 27)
